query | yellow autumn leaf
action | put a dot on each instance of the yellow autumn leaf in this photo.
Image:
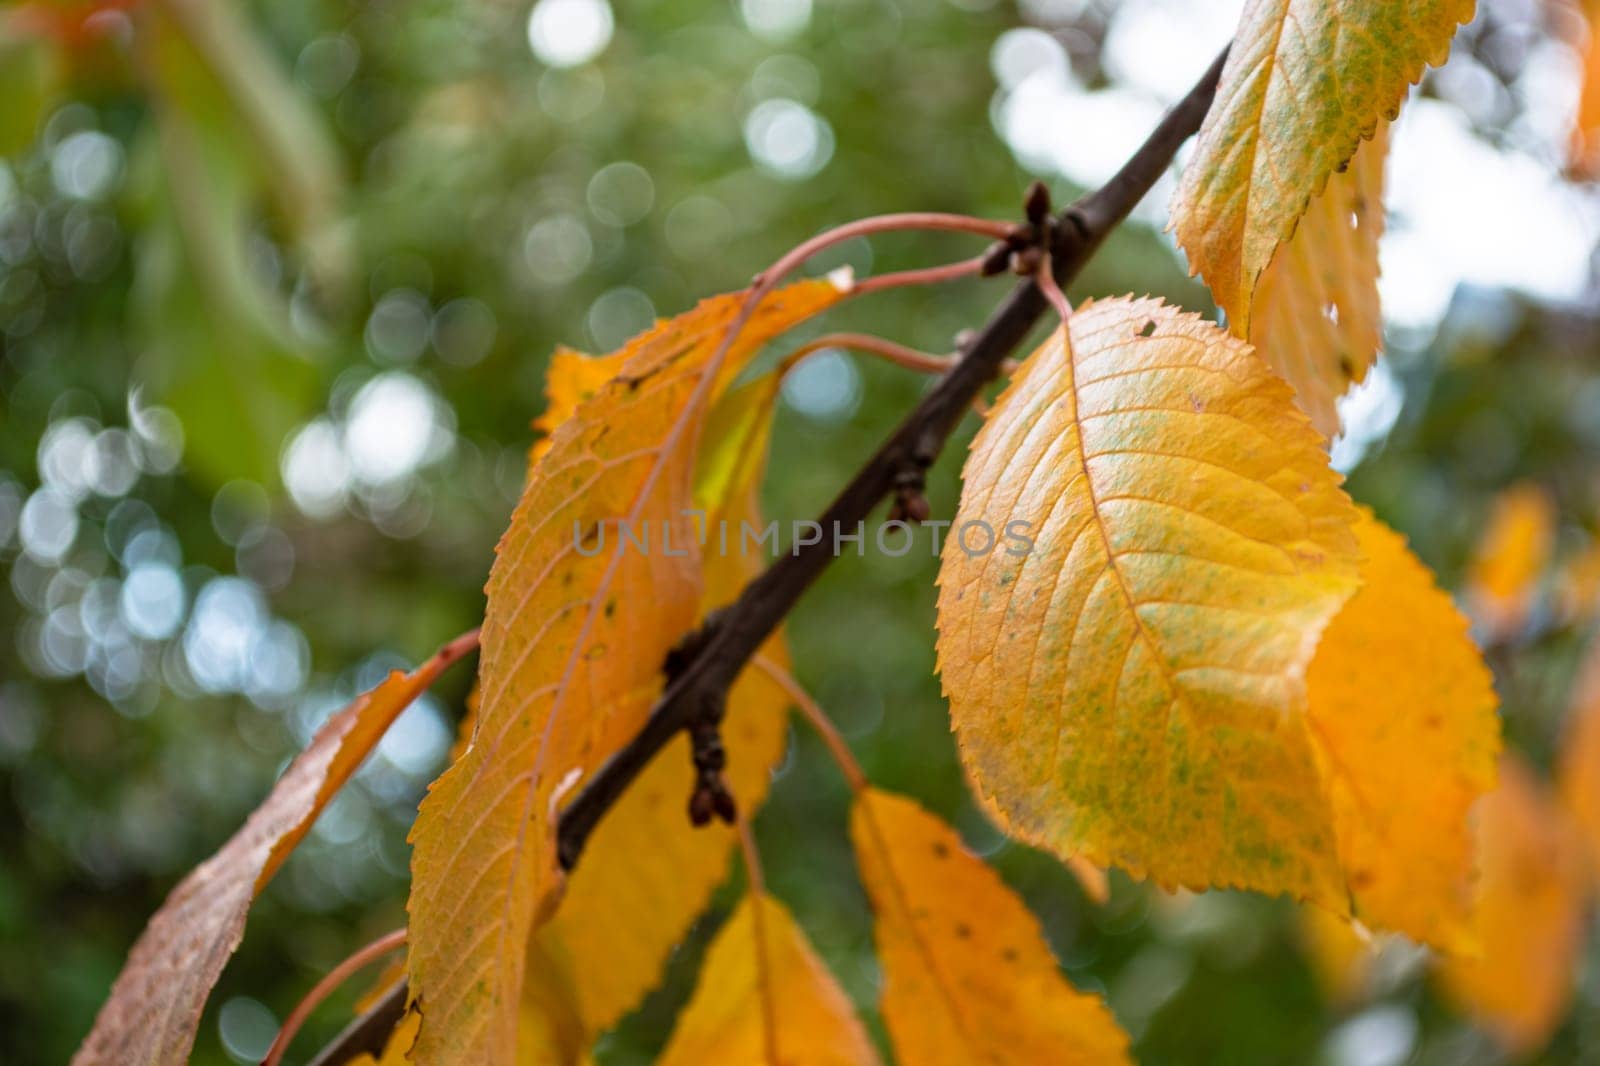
(1133, 687)
(154, 1008)
(396, 1049)
(1578, 766)
(765, 998)
(550, 1031)
(1529, 915)
(1316, 319)
(647, 872)
(576, 628)
(1305, 82)
(1340, 954)
(1510, 558)
(967, 975)
(1402, 712)
(1094, 880)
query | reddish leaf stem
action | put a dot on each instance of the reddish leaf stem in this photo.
(758, 902)
(457, 649)
(324, 988)
(768, 279)
(863, 227)
(1046, 280)
(897, 354)
(936, 275)
(818, 719)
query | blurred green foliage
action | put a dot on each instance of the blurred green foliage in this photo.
(331, 244)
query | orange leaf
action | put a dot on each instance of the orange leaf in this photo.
(1403, 712)
(1511, 558)
(1529, 914)
(1578, 771)
(1584, 159)
(572, 380)
(764, 997)
(647, 873)
(1316, 319)
(967, 974)
(1133, 688)
(156, 1003)
(1305, 82)
(576, 628)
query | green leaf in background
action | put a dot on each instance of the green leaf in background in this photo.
(29, 81)
(215, 336)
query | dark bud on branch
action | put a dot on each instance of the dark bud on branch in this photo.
(710, 796)
(1036, 204)
(910, 505)
(722, 803)
(700, 807)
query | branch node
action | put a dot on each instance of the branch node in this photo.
(909, 483)
(688, 649)
(1072, 229)
(996, 260)
(1021, 235)
(1025, 263)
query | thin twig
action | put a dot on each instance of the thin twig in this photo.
(936, 275)
(865, 227)
(768, 279)
(897, 354)
(323, 988)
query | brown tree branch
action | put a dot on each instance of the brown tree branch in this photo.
(710, 660)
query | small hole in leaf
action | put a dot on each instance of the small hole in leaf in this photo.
(1149, 329)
